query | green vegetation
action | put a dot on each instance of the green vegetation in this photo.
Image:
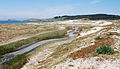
(20, 60)
(16, 59)
(4, 49)
(113, 33)
(71, 65)
(110, 34)
(98, 38)
(15, 63)
(90, 17)
(104, 50)
(118, 34)
(95, 54)
(84, 17)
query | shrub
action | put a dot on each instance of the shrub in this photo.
(71, 65)
(95, 54)
(98, 38)
(110, 34)
(104, 50)
(118, 34)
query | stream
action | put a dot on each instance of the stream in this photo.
(29, 48)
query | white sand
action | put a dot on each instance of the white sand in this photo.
(82, 63)
(99, 23)
(33, 63)
(79, 63)
(93, 30)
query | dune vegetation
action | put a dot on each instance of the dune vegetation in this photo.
(4, 49)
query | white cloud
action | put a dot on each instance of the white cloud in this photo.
(95, 1)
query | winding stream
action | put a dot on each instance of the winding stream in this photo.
(29, 48)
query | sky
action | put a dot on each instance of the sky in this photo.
(21, 9)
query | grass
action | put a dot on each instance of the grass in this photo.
(118, 34)
(62, 51)
(71, 65)
(110, 34)
(84, 29)
(15, 63)
(113, 33)
(20, 60)
(98, 38)
(4, 49)
(11, 31)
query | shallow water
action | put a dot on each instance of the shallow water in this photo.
(29, 48)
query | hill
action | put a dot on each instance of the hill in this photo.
(85, 17)
(90, 17)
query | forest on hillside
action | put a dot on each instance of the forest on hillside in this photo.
(90, 17)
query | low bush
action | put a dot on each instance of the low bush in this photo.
(98, 38)
(118, 34)
(110, 34)
(71, 65)
(105, 50)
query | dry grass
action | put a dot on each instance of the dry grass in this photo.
(16, 45)
(12, 32)
(75, 47)
(62, 51)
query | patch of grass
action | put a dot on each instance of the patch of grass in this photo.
(4, 49)
(84, 29)
(16, 59)
(105, 50)
(98, 38)
(118, 34)
(113, 33)
(74, 58)
(110, 34)
(71, 65)
(15, 63)
(95, 54)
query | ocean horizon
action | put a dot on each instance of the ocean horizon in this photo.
(6, 21)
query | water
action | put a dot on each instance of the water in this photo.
(27, 22)
(26, 50)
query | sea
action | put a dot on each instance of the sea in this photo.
(27, 22)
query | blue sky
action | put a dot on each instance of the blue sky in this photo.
(20, 9)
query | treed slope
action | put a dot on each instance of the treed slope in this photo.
(90, 17)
